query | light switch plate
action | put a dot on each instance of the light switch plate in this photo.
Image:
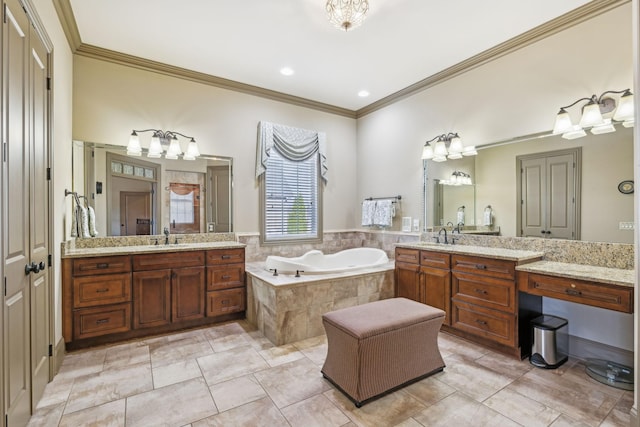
(627, 225)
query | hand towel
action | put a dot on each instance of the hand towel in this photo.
(92, 222)
(83, 219)
(382, 216)
(368, 209)
(487, 220)
(74, 221)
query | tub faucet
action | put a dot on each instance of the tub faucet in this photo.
(166, 235)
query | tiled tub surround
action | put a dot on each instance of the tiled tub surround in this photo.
(286, 308)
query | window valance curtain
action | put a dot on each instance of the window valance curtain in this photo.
(294, 144)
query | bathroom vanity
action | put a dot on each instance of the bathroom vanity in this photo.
(116, 293)
(491, 294)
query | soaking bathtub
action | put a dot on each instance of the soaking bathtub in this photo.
(316, 262)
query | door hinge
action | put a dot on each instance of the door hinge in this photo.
(48, 83)
(49, 260)
(4, 13)
(4, 151)
(50, 350)
(5, 286)
(49, 174)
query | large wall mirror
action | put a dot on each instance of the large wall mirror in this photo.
(137, 195)
(607, 214)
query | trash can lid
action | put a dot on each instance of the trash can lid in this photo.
(546, 321)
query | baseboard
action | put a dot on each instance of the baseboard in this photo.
(58, 356)
(634, 422)
(582, 348)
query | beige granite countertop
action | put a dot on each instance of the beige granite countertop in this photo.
(497, 253)
(613, 276)
(148, 249)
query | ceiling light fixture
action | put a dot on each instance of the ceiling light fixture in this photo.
(347, 14)
(363, 94)
(598, 113)
(161, 139)
(286, 71)
(446, 146)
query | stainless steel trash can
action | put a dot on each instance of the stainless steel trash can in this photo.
(550, 341)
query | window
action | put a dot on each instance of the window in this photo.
(291, 199)
(184, 207)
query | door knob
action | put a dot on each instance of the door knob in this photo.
(42, 265)
(33, 267)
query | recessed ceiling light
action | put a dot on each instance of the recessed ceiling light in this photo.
(363, 94)
(286, 71)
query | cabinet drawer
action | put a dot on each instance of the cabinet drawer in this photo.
(225, 276)
(225, 256)
(486, 291)
(101, 290)
(410, 256)
(168, 260)
(483, 322)
(101, 265)
(225, 301)
(498, 268)
(93, 322)
(435, 259)
(601, 295)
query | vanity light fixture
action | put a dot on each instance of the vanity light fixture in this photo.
(161, 139)
(446, 146)
(599, 113)
(458, 178)
(346, 14)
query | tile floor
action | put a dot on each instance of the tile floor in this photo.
(231, 375)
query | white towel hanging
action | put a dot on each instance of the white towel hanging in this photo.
(368, 210)
(383, 213)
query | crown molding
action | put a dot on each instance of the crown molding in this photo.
(95, 52)
(563, 22)
(68, 23)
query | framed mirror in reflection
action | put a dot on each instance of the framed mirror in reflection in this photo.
(606, 159)
(137, 195)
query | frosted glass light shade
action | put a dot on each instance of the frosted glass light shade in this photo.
(454, 156)
(469, 151)
(591, 115)
(456, 145)
(563, 122)
(134, 148)
(427, 152)
(625, 109)
(628, 123)
(192, 150)
(605, 127)
(440, 149)
(155, 148)
(439, 159)
(576, 132)
(174, 149)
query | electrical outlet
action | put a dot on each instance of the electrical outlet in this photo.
(627, 225)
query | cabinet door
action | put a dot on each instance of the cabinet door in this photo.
(435, 290)
(188, 296)
(151, 298)
(407, 281)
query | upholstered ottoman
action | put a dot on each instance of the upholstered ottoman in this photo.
(380, 346)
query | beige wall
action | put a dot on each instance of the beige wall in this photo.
(110, 100)
(517, 94)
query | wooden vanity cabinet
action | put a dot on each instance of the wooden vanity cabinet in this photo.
(118, 297)
(98, 297)
(226, 291)
(175, 293)
(424, 276)
(484, 299)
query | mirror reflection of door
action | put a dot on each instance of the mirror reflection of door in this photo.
(184, 208)
(219, 192)
(135, 213)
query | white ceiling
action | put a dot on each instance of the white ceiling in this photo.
(400, 42)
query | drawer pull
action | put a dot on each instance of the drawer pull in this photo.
(481, 291)
(226, 277)
(103, 290)
(224, 302)
(102, 321)
(226, 257)
(481, 322)
(481, 266)
(102, 265)
(573, 292)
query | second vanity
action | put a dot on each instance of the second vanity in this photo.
(491, 294)
(116, 293)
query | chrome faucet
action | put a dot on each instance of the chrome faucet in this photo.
(458, 228)
(166, 235)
